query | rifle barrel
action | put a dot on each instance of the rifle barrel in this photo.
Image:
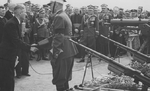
(127, 71)
(135, 52)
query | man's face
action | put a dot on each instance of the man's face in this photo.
(23, 14)
(83, 10)
(2, 12)
(42, 14)
(76, 11)
(134, 14)
(104, 9)
(28, 8)
(90, 11)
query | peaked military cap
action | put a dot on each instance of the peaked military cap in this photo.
(95, 7)
(59, 1)
(133, 10)
(83, 7)
(90, 7)
(104, 6)
(120, 8)
(1, 7)
(41, 10)
(140, 7)
(28, 2)
(45, 5)
(68, 5)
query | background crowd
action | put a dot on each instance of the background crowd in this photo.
(38, 27)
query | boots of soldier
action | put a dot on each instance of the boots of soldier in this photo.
(66, 86)
(60, 88)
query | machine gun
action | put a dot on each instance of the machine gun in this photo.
(116, 67)
(140, 57)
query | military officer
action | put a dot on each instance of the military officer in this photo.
(89, 28)
(139, 11)
(63, 50)
(68, 10)
(104, 18)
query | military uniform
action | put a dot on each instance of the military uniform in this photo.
(105, 17)
(89, 26)
(63, 51)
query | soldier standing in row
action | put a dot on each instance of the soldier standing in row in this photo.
(104, 18)
(89, 27)
(42, 32)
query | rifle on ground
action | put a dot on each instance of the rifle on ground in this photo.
(118, 68)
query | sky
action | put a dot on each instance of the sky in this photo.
(126, 4)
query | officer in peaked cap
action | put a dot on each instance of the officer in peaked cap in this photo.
(90, 9)
(96, 10)
(28, 2)
(134, 13)
(45, 5)
(49, 4)
(68, 5)
(104, 7)
(62, 59)
(140, 10)
(104, 17)
(89, 28)
(140, 7)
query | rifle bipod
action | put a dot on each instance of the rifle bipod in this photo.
(88, 62)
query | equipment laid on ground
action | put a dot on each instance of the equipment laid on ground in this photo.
(118, 68)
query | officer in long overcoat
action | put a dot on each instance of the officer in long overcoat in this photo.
(89, 28)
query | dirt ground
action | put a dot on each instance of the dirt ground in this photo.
(41, 81)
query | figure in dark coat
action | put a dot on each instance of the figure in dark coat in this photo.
(63, 51)
(2, 21)
(89, 27)
(8, 15)
(9, 48)
(76, 20)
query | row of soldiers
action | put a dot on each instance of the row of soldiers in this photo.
(88, 23)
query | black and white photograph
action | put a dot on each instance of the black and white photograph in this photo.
(74, 45)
